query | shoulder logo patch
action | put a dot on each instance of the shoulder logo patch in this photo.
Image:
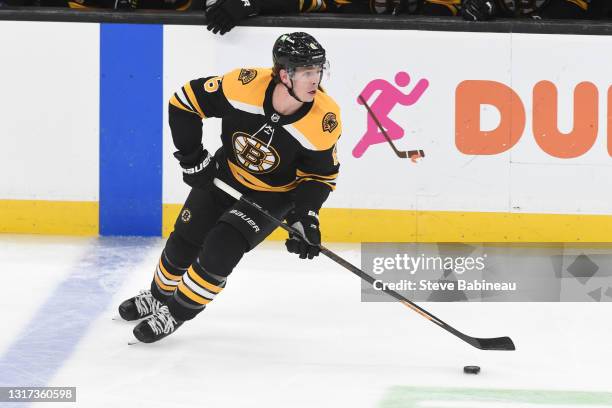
(329, 122)
(247, 75)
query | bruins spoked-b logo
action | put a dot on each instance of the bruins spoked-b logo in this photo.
(186, 215)
(329, 122)
(253, 154)
(247, 75)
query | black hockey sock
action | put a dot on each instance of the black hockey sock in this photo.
(196, 289)
(165, 279)
(174, 261)
(222, 250)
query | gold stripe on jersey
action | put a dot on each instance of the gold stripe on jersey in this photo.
(300, 173)
(167, 274)
(206, 285)
(328, 180)
(192, 295)
(248, 180)
(314, 131)
(247, 96)
(192, 98)
(174, 101)
(330, 185)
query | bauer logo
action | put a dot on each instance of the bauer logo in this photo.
(246, 219)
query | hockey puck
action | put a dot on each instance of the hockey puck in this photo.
(471, 369)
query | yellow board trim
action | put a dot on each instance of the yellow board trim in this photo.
(49, 217)
(340, 225)
(361, 225)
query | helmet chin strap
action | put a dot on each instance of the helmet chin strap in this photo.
(290, 90)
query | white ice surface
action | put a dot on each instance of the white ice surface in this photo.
(293, 333)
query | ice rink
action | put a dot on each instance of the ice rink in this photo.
(285, 333)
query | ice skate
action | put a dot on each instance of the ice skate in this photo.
(156, 327)
(139, 306)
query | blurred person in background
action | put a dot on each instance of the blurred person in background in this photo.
(223, 15)
(482, 10)
(178, 5)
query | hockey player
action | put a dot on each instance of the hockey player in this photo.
(279, 134)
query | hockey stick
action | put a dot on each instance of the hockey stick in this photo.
(400, 154)
(497, 343)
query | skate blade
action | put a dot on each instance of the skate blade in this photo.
(133, 341)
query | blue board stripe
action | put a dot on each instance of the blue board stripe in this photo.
(131, 123)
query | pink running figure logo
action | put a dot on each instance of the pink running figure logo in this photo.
(387, 99)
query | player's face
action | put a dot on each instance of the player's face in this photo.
(306, 81)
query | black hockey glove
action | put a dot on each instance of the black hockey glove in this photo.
(478, 10)
(307, 222)
(198, 168)
(223, 15)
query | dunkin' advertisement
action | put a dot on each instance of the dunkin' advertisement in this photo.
(503, 123)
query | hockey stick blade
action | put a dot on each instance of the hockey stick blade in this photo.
(498, 343)
(495, 343)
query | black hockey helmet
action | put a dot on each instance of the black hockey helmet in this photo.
(295, 50)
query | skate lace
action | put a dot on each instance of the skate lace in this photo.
(162, 322)
(145, 302)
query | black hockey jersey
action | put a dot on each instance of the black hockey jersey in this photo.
(261, 149)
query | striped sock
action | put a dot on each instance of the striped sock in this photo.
(166, 278)
(196, 289)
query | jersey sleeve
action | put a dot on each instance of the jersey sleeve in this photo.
(196, 100)
(316, 173)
